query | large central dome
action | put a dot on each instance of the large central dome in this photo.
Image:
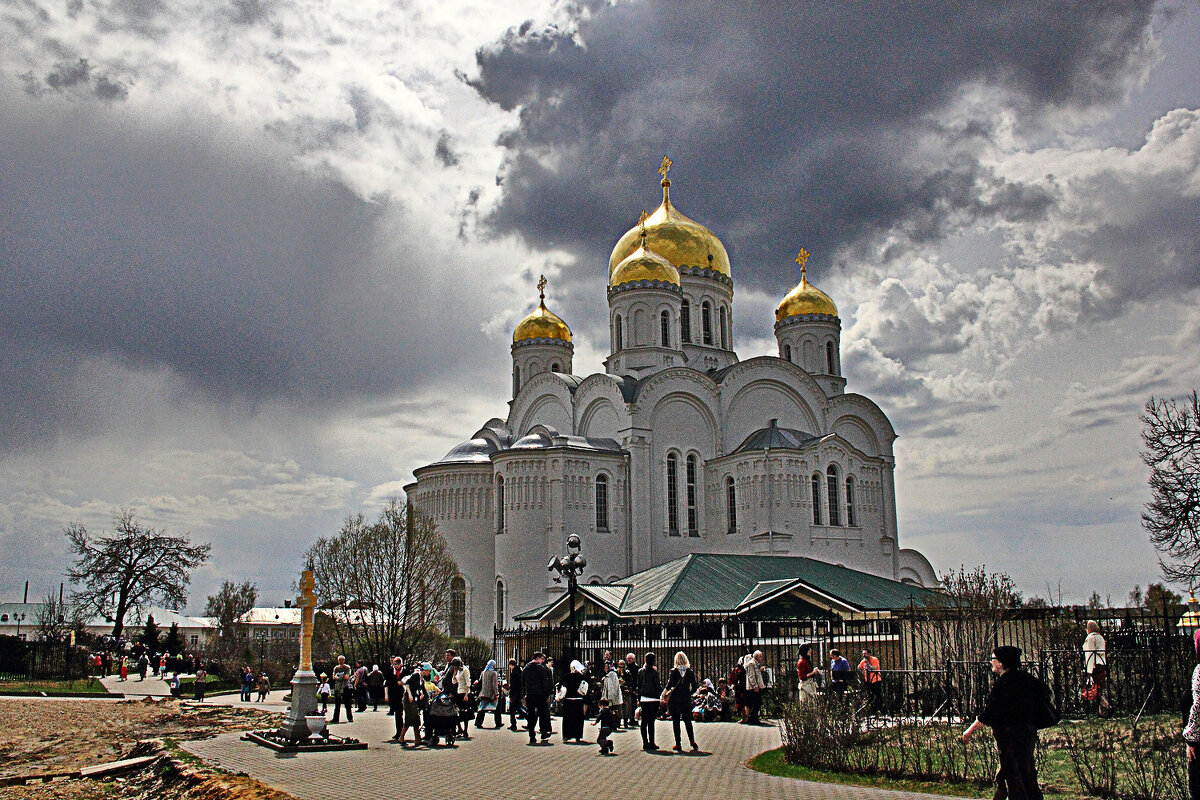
(682, 241)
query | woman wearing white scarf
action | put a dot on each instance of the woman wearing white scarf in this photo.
(576, 687)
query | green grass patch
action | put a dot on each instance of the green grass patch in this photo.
(80, 686)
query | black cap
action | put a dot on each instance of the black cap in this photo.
(1008, 656)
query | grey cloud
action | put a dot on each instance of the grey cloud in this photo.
(444, 150)
(786, 125)
(75, 75)
(65, 75)
(170, 248)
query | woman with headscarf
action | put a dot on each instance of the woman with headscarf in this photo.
(681, 685)
(376, 681)
(1191, 733)
(575, 684)
(1016, 707)
(489, 694)
(610, 687)
(649, 696)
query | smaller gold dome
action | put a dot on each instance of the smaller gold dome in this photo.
(805, 298)
(542, 323)
(644, 265)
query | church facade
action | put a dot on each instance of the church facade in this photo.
(678, 447)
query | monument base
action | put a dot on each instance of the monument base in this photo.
(304, 703)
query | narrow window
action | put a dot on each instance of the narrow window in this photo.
(500, 504)
(731, 505)
(499, 603)
(693, 526)
(829, 357)
(601, 502)
(554, 367)
(673, 495)
(685, 321)
(618, 334)
(664, 325)
(516, 379)
(850, 520)
(832, 491)
(458, 607)
(724, 330)
(787, 353)
(816, 499)
(706, 322)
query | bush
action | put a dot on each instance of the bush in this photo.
(1113, 759)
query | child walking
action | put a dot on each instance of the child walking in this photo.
(607, 721)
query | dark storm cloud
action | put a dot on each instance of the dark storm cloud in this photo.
(76, 76)
(171, 248)
(788, 125)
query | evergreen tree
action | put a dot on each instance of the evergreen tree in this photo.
(149, 636)
(173, 644)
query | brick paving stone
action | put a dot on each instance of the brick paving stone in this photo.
(499, 765)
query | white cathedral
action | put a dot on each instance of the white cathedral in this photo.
(677, 447)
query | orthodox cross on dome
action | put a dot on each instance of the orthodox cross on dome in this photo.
(664, 169)
(802, 259)
(642, 226)
(541, 284)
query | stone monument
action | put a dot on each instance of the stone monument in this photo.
(304, 682)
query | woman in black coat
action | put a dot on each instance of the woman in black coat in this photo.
(649, 695)
(572, 703)
(682, 684)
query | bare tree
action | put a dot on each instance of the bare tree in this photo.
(385, 585)
(55, 619)
(227, 604)
(131, 568)
(1171, 433)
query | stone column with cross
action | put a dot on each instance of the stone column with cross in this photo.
(304, 682)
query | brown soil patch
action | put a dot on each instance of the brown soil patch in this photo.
(56, 736)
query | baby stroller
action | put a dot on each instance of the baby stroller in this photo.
(443, 720)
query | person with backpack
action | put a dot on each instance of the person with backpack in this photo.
(1017, 706)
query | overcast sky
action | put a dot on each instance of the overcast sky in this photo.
(262, 258)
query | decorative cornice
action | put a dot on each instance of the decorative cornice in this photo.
(706, 272)
(544, 340)
(643, 284)
(797, 318)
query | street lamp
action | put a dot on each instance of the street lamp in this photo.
(19, 618)
(570, 567)
(262, 649)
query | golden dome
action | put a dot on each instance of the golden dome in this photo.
(644, 264)
(682, 241)
(542, 323)
(805, 298)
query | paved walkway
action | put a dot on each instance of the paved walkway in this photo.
(151, 686)
(499, 765)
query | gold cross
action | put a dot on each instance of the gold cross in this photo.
(802, 259)
(665, 168)
(542, 287)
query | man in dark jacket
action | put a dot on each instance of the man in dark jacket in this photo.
(1016, 707)
(539, 685)
(516, 692)
(629, 691)
(393, 678)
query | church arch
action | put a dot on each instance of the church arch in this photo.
(664, 328)
(500, 602)
(815, 485)
(601, 500)
(672, 493)
(834, 514)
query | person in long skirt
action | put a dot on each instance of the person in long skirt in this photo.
(572, 705)
(1191, 733)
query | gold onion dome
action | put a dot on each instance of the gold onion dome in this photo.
(669, 233)
(644, 264)
(805, 298)
(542, 323)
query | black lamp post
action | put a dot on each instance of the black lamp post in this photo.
(19, 618)
(262, 650)
(570, 567)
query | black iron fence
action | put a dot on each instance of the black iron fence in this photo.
(40, 660)
(934, 662)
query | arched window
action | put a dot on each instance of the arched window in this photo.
(499, 603)
(831, 479)
(724, 330)
(601, 502)
(500, 504)
(816, 499)
(730, 505)
(829, 357)
(787, 353)
(664, 326)
(850, 520)
(685, 321)
(706, 322)
(516, 379)
(554, 367)
(692, 520)
(672, 494)
(458, 607)
(618, 333)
